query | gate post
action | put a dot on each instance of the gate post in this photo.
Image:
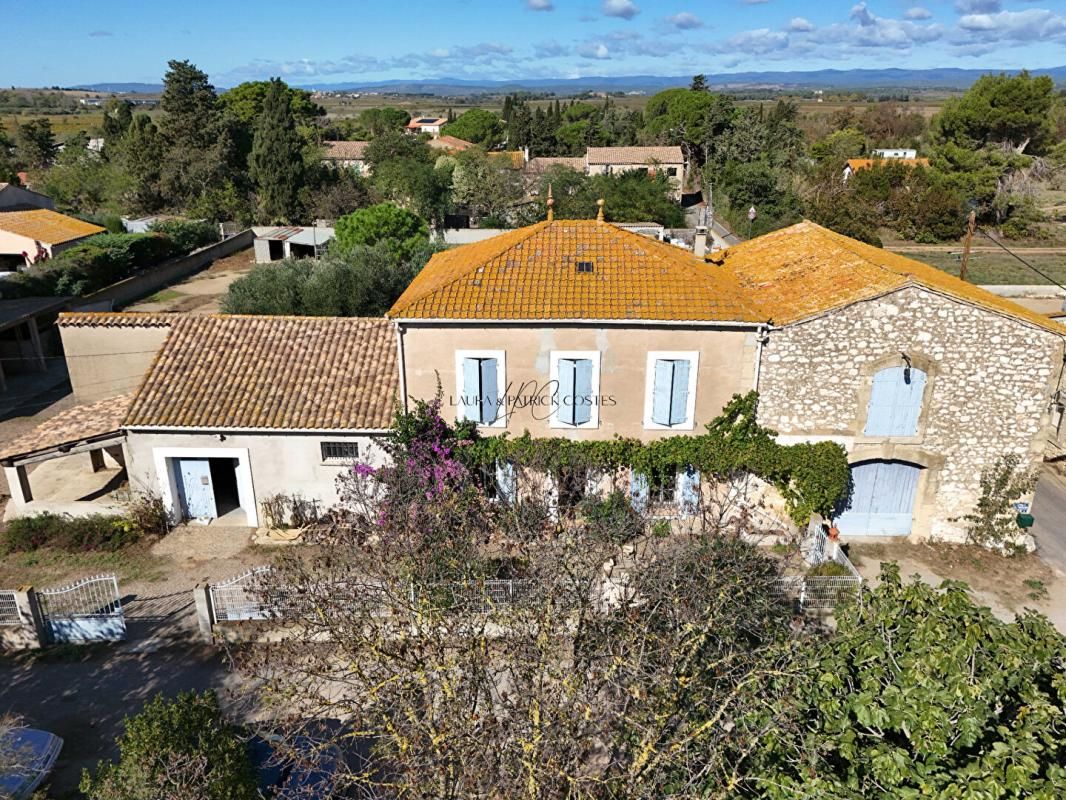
(32, 632)
(201, 596)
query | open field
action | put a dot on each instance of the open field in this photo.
(994, 266)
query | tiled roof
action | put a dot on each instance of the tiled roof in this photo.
(806, 270)
(865, 163)
(46, 226)
(450, 143)
(635, 155)
(115, 319)
(72, 426)
(531, 273)
(298, 373)
(345, 151)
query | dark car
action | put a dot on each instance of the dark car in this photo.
(28, 755)
(300, 770)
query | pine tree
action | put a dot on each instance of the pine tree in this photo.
(277, 162)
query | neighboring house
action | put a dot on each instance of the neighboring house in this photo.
(430, 125)
(450, 144)
(226, 411)
(609, 160)
(536, 168)
(346, 155)
(855, 164)
(19, 198)
(894, 152)
(293, 241)
(40, 233)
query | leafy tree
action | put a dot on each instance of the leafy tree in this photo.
(699, 83)
(767, 189)
(82, 181)
(400, 231)
(919, 693)
(376, 121)
(118, 116)
(992, 523)
(276, 163)
(633, 196)
(681, 117)
(1009, 110)
(247, 102)
(173, 750)
(335, 193)
(478, 126)
(35, 144)
(140, 152)
(839, 146)
(481, 187)
(394, 146)
(891, 125)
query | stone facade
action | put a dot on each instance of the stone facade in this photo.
(988, 391)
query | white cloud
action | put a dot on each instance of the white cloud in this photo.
(977, 6)
(594, 50)
(760, 41)
(685, 21)
(799, 25)
(540, 5)
(1032, 24)
(918, 13)
(626, 9)
(549, 50)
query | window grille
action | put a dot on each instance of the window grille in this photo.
(340, 451)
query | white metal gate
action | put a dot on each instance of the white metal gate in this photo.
(88, 610)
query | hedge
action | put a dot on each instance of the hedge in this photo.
(64, 532)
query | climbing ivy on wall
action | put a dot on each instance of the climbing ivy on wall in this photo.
(811, 477)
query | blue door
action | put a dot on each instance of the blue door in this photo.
(882, 499)
(195, 489)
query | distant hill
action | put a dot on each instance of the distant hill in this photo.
(836, 79)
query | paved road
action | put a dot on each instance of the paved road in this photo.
(1049, 508)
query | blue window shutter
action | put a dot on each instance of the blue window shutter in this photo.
(638, 490)
(506, 481)
(471, 389)
(582, 395)
(679, 393)
(660, 397)
(688, 488)
(489, 396)
(565, 397)
(895, 403)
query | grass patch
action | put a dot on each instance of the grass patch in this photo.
(46, 566)
(165, 296)
(999, 268)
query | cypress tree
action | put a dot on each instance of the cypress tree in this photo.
(277, 161)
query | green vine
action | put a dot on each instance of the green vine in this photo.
(811, 477)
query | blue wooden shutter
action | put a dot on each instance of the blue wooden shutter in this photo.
(895, 402)
(565, 398)
(638, 490)
(489, 395)
(506, 481)
(660, 397)
(679, 393)
(688, 491)
(582, 394)
(469, 402)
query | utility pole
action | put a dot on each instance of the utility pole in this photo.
(971, 226)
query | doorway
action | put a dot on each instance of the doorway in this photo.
(882, 499)
(207, 487)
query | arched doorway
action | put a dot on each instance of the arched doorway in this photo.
(882, 499)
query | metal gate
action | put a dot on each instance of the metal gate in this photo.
(88, 610)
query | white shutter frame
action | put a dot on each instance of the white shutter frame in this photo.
(559, 362)
(661, 420)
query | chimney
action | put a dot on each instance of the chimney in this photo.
(700, 245)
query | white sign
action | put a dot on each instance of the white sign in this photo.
(751, 214)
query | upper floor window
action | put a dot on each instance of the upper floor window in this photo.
(576, 378)
(670, 396)
(480, 381)
(895, 402)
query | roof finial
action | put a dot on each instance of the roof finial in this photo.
(599, 210)
(551, 205)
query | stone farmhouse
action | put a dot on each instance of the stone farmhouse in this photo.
(583, 330)
(615, 160)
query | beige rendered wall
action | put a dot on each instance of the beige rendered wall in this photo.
(279, 463)
(108, 361)
(726, 367)
(13, 244)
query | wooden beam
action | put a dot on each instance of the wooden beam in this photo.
(52, 453)
(96, 458)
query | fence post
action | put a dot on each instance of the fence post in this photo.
(201, 596)
(32, 632)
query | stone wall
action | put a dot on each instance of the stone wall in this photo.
(989, 384)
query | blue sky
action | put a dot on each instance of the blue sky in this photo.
(320, 42)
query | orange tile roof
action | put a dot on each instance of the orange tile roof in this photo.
(865, 163)
(75, 425)
(344, 151)
(298, 373)
(49, 227)
(115, 319)
(530, 274)
(635, 155)
(806, 270)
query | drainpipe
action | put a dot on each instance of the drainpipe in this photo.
(402, 366)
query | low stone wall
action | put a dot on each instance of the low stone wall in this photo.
(152, 279)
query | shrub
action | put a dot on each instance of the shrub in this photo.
(829, 569)
(187, 235)
(612, 517)
(73, 534)
(993, 521)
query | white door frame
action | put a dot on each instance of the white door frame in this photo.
(164, 469)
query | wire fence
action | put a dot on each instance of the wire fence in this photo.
(9, 608)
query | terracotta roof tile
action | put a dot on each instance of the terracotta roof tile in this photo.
(46, 226)
(299, 373)
(115, 319)
(865, 163)
(805, 270)
(450, 143)
(72, 426)
(635, 155)
(344, 151)
(531, 273)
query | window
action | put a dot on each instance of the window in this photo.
(895, 402)
(479, 387)
(576, 378)
(670, 397)
(662, 488)
(666, 489)
(671, 171)
(584, 266)
(340, 452)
